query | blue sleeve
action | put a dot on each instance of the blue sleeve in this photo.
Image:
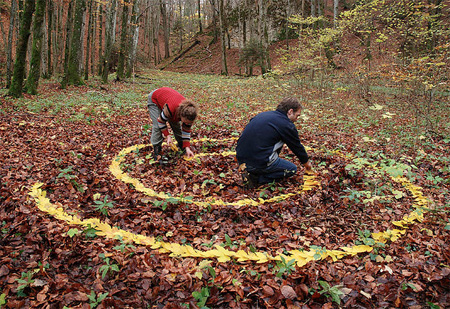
(291, 139)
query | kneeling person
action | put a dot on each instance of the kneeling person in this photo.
(262, 140)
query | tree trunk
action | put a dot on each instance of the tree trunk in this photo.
(222, 37)
(69, 27)
(49, 39)
(73, 72)
(88, 41)
(335, 12)
(100, 41)
(181, 25)
(21, 51)
(109, 39)
(123, 52)
(35, 62)
(165, 24)
(134, 38)
(10, 46)
(200, 29)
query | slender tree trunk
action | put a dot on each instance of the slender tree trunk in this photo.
(335, 12)
(88, 41)
(109, 39)
(49, 39)
(35, 62)
(21, 51)
(165, 24)
(69, 27)
(181, 24)
(74, 77)
(134, 37)
(222, 37)
(93, 32)
(10, 41)
(200, 28)
(100, 40)
(123, 52)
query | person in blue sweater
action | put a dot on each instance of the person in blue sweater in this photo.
(260, 144)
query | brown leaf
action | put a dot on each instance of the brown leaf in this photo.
(267, 290)
(288, 292)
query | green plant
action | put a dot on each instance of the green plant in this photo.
(95, 300)
(201, 297)
(25, 281)
(123, 245)
(103, 206)
(66, 174)
(164, 204)
(90, 232)
(104, 269)
(331, 291)
(365, 238)
(2, 299)
(285, 267)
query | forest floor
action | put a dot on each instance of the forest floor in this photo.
(89, 220)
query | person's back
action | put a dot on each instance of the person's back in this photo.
(261, 142)
(261, 138)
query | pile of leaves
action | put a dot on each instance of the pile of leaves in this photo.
(47, 262)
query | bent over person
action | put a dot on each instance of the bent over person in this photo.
(262, 140)
(167, 105)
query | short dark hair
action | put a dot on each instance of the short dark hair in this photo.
(289, 103)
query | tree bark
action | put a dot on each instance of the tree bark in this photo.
(123, 52)
(335, 12)
(222, 37)
(73, 73)
(109, 39)
(69, 27)
(200, 28)
(21, 51)
(134, 37)
(35, 62)
(88, 40)
(10, 45)
(165, 23)
(100, 41)
(49, 39)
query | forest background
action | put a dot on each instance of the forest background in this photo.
(374, 79)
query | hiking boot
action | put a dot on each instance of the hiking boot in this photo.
(250, 181)
(162, 160)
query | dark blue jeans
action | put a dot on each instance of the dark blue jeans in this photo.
(279, 169)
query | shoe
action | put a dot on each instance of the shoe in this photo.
(162, 160)
(249, 180)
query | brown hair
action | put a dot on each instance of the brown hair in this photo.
(188, 110)
(289, 103)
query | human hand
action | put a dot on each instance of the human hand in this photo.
(308, 167)
(189, 153)
(169, 140)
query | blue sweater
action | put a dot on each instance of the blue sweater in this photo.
(264, 136)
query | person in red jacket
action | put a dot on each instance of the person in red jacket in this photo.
(168, 105)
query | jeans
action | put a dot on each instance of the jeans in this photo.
(279, 169)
